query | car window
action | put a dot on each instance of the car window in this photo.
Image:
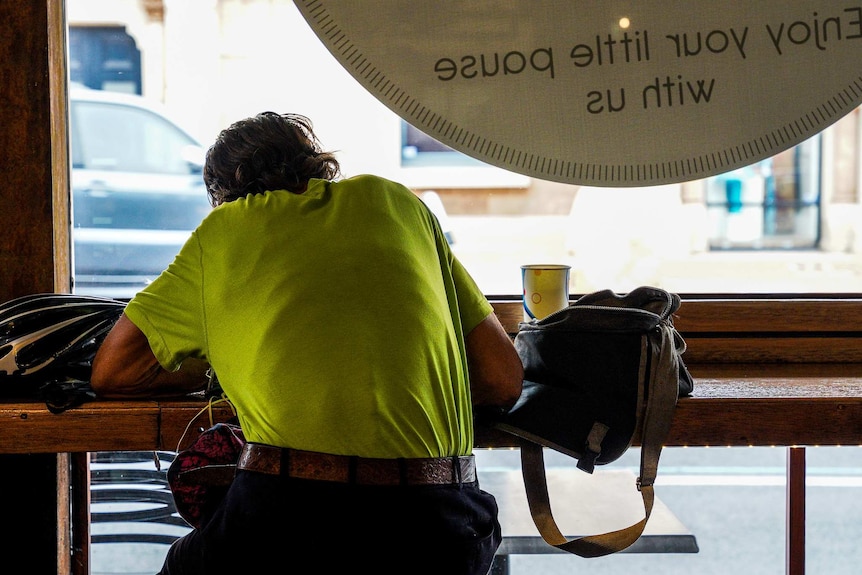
(116, 137)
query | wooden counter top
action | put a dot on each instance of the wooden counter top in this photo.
(733, 404)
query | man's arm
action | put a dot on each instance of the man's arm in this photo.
(125, 367)
(496, 372)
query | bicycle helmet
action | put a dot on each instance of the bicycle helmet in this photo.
(54, 335)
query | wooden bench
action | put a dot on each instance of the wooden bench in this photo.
(763, 377)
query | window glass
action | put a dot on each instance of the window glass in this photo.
(774, 204)
(789, 224)
(124, 139)
(104, 58)
(137, 191)
(697, 237)
(420, 149)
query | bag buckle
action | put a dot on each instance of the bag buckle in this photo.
(640, 483)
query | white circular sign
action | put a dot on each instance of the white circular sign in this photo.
(613, 93)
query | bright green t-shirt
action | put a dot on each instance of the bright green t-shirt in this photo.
(334, 319)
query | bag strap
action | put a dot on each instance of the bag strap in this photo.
(533, 467)
(664, 389)
(208, 409)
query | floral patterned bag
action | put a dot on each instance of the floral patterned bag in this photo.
(200, 475)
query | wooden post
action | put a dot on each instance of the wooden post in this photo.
(34, 251)
(795, 545)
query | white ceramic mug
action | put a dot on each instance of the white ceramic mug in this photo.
(546, 289)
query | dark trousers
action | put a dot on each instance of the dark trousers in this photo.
(272, 524)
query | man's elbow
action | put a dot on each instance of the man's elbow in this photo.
(499, 390)
(512, 388)
(118, 383)
(100, 380)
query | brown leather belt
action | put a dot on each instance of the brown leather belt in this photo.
(359, 470)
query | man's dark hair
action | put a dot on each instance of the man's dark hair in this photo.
(266, 152)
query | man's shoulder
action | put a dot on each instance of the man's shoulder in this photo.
(371, 181)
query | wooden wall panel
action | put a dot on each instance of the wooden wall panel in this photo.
(35, 485)
(26, 193)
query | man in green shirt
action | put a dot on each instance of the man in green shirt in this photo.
(353, 345)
